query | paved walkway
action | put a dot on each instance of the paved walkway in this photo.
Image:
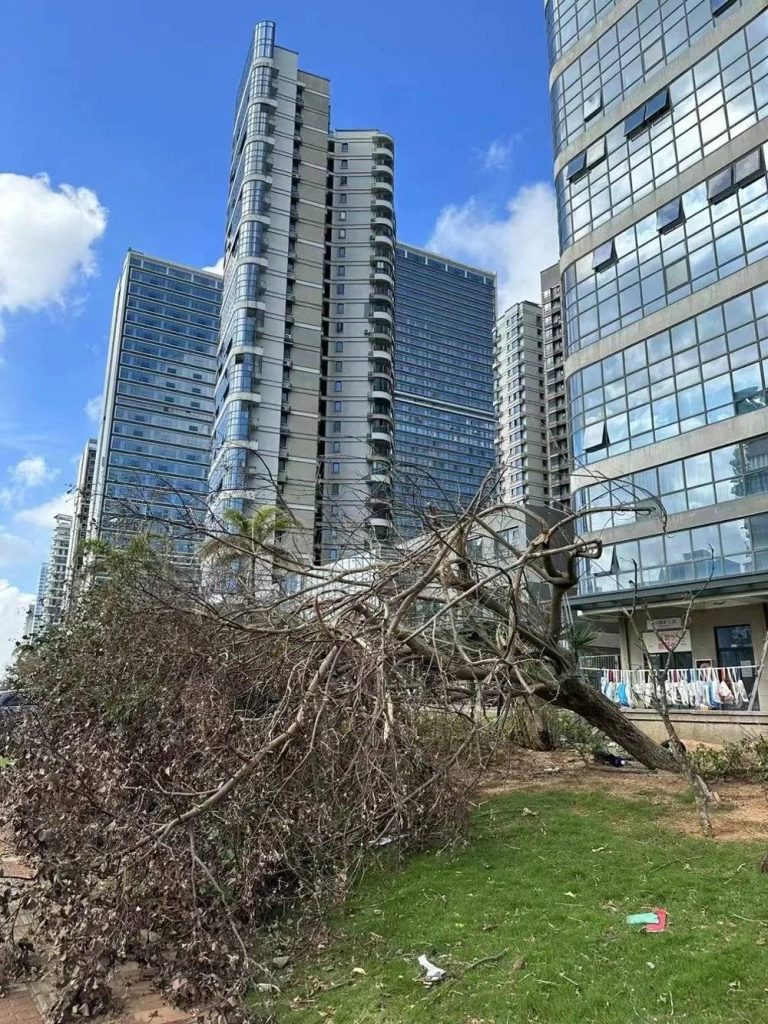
(26, 1003)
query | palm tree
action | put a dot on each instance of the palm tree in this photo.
(251, 537)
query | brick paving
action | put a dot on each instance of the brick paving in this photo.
(27, 1003)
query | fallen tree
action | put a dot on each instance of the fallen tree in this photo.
(198, 766)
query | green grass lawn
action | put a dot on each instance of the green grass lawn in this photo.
(550, 890)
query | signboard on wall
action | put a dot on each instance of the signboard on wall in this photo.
(663, 641)
(664, 624)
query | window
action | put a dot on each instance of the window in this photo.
(593, 105)
(720, 185)
(339, 289)
(343, 198)
(337, 385)
(677, 274)
(670, 216)
(749, 169)
(335, 467)
(336, 447)
(337, 406)
(728, 181)
(596, 153)
(342, 252)
(339, 326)
(339, 307)
(339, 365)
(344, 164)
(341, 271)
(652, 110)
(345, 147)
(342, 214)
(337, 426)
(339, 346)
(343, 179)
(334, 552)
(596, 436)
(342, 232)
(604, 256)
(334, 489)
(718, 7)
(577, 167)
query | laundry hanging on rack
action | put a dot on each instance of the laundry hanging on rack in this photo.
(715, 688)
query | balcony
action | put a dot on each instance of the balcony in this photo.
(379, 522)
(385, 204)
(383, 277)
(379, 353)
(381, 316)
(378, 435)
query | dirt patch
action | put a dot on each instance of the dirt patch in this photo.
(742, 813)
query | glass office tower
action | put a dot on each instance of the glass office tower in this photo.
(444, 419)
(154, 441)
(660, 118)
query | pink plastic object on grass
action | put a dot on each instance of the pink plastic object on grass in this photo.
(662, 924)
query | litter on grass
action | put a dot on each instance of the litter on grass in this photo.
(651, 922)
(432, 973)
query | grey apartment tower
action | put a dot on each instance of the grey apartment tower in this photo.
(660, 118)
(444, 420)
(151, 461)
(303, 416)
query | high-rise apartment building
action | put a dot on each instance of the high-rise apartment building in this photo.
(80, 520)
(660, 114)
(56, 571)
(35, 615)
(303, 415)
(354, 511)
(520, 398)
(444, 419)
(152, 457)
(558, 459)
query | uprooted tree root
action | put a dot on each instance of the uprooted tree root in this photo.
(183, 782)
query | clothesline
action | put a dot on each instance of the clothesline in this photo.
(716, 688)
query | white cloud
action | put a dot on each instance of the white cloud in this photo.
(217, 268)
(518, 242)
(43, 515)
(93, 407)
(13, 609)
(32, 472)
(14, 550)
(46, 240)
(498, 156)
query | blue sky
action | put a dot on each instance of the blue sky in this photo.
(131, 106)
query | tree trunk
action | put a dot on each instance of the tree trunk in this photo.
(590, 704)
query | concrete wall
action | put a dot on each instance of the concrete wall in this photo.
(704, 726)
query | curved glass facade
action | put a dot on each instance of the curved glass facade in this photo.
(704, 370)
(641, 43)
(650, 265)
(713, 102)
(724, 474)
(715, 551)
(568, 20)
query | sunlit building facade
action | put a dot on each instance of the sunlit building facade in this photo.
(660, 118)
(153, 450)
